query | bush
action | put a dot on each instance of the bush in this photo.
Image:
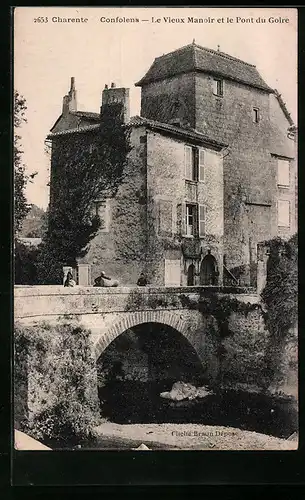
(63, 402)
(26, 258)
(280, 294)
(280, 298)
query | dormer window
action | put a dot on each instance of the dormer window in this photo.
(255, 115)
(218, 87)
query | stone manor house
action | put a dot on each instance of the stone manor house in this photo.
(211, 173)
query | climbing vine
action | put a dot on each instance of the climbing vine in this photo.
(85, 166)
(280, 295)
(137, 300)
(280, 300)
(220, 308)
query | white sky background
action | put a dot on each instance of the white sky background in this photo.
(46, 55)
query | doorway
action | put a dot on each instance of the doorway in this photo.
(191, 275)
(209, 270)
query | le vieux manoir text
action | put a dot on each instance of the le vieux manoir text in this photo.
(168, 20)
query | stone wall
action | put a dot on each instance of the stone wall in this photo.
(136, 239)
(167, 185)
(250, 165)
(170, 99)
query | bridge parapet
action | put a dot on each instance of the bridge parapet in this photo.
(43, 301)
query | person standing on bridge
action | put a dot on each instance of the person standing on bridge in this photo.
(69, 280)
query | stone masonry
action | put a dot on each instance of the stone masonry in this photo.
(240, 127)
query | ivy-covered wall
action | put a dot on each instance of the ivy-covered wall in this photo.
(55, 393)
(120, 251)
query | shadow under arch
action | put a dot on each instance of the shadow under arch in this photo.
(141, 363)
(133, 319)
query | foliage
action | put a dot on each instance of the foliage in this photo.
(63, 385)
(137, 300)
(85, 167)
(219, 307)
(280, 299)
(280, 294)
(26, 258)
(34, 224)
(20, 178)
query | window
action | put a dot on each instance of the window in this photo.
(194, 164)
(190, 164)
(255, 115)
(190, 221)
(195, 216)
(283, 207)
(218, 87)
(201, 220)
(165, 217)
(283, 173)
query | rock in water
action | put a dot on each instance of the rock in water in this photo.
(182, 390)
(141, 448)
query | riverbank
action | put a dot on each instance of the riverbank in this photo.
(186, 437)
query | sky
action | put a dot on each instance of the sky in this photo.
(47, 54)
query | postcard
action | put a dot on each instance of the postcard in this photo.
(155, 228)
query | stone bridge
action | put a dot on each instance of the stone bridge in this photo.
(235, 361)
(108, 312)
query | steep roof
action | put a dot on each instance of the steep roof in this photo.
(138, 121)
(284, 108)
(193, 57)
(186, 133)
(87, 116)
(78, 130)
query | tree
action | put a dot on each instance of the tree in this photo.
(20, 178)
(84, 168)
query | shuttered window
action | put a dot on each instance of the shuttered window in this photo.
(190, 219)
(194, 159)
(188, 159)
(202, 220)
(218, 87)
(283, 173)
(181, 226)
(201, 158)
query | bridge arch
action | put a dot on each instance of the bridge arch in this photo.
(166, 318)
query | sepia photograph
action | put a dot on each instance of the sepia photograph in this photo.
(155, 229)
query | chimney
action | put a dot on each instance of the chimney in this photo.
(69, 100)
(112, 96)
